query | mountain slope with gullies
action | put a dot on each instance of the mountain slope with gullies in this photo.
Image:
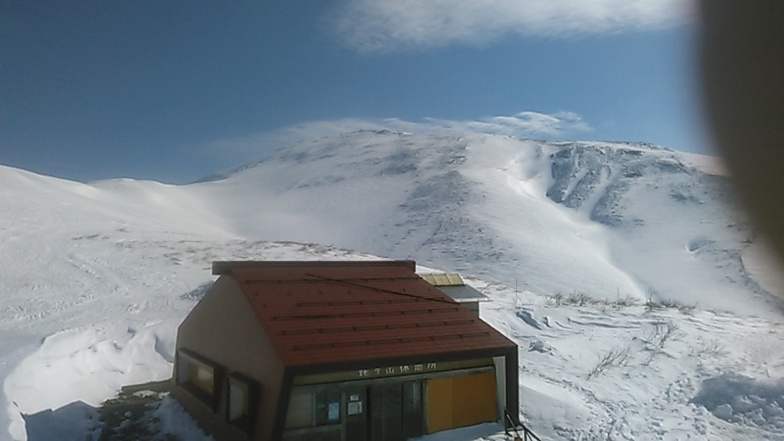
(622, 219)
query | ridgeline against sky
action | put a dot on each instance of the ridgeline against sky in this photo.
(176, 90)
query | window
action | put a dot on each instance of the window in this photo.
(311, 407)
(300, 413)
(198, 376)
(328, 406)
(241, 401)
(412, 397)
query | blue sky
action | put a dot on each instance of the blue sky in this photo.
(174, 90)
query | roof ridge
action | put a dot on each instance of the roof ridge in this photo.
(226, 266)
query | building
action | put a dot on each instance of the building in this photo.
(336, 351)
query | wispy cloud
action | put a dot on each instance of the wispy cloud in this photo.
(389, 25)
(524, 124)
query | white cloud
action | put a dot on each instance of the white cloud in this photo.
(385, 25)
(524, 125)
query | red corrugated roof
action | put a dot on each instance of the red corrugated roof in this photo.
(337, 312)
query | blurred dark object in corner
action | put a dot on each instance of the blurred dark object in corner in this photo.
(742, 73)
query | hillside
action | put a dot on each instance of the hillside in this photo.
(623, 219)
(570, 240)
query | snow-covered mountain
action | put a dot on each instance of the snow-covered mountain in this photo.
(622, 219)
(569, 239)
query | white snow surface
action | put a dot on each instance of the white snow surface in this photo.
(569, 240)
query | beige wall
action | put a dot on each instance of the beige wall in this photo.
(223, 328)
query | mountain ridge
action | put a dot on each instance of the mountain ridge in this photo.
(624, 218)
(438, 189)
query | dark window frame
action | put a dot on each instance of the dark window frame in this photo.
(184, 359)
(246, 422)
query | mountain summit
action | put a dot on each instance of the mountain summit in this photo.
(608, 220)
(621, 219)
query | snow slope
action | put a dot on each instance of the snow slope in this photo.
(97, 276)
(621, 219)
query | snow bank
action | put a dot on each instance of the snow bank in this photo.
(169, 417)
(740, 399)
(86, 366)
(76, 421)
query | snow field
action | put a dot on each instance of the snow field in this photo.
(588, 370)
(97, 276)
(611, 370)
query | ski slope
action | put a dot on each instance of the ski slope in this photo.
(643, 304)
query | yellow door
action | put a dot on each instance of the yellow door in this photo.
(461, 401)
